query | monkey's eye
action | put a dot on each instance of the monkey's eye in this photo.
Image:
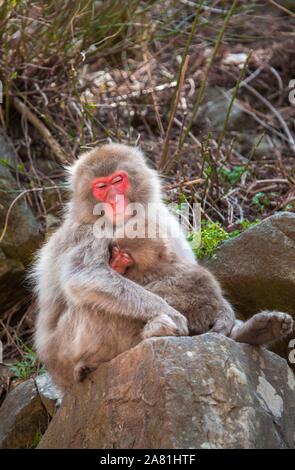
(118, 179)
(100, 185)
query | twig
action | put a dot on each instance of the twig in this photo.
(53, 144)
(282, 8)
(275, 112)
(13, 203)
(180, 80)
(194, 139)
(208, 68)
(163, 158)
(190, 134)
(234, 96)
(9, 336)
(154, 96)
(274, 180)
(204, 7)
(240, 104)
(181, 184)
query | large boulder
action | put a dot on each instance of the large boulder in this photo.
(22, 234)
(189, 392)
(26, 412)
(257, 269)
(23, 417)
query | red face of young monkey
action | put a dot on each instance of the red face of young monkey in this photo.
(112, 191)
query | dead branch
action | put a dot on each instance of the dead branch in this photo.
(23, 109)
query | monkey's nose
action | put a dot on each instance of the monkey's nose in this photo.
(112, 196)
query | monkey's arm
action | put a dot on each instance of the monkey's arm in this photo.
(88, 279)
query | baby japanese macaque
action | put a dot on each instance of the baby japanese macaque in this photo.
(188, 287)
(192, 290)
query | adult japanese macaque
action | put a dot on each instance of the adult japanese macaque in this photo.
(88, 312)
(192, 290)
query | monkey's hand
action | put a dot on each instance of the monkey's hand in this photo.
(224, 320)
(120, 260)
(165, 325)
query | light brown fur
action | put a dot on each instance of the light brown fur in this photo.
(188, 287)
(193, 290)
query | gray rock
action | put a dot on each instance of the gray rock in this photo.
(5, 380)
(22, 417)
(216, 109)
(180, 393)
(26, 412)
(22, 236)
(257, 269)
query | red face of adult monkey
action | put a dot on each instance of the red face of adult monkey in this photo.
(113, 192)
(114, 176)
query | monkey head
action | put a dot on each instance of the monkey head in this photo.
(141, 258)
(114, 175)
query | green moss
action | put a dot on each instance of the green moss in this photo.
(212, 235)
(205, 242)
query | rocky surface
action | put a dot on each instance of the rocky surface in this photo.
(26, 412)
(22, 417)
(22, 236)
(257, 269)
(189, 392)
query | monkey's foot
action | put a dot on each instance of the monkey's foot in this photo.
(120, 260)
(163, 325)
(81, 371)
(263, 328)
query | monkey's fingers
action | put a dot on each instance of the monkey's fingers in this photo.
(221, 327)
(164, 325)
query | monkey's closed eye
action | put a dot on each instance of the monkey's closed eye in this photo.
(118, 179)
(100, 185)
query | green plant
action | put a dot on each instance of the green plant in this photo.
(243, 225)
(231, 176)
(28, 366)
(4, 162)
(261, 200)
(205, 242)
(194, 238)
(212, 235)
(37, 438)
